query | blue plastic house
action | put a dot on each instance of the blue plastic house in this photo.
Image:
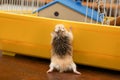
(69, 10)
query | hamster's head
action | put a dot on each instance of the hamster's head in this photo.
(60, 27)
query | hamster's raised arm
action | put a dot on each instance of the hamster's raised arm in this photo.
(70, 33)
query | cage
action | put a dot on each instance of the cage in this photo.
(109, 8)
(95, 43)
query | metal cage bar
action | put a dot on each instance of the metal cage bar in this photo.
(111, 8)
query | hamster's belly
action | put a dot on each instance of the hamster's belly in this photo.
(62, 63)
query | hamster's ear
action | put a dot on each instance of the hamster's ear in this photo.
(56, 29)
(53, 34)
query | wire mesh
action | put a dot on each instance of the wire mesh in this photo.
(109, 8)
(20, 6)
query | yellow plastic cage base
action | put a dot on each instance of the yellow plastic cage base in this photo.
(94, 45)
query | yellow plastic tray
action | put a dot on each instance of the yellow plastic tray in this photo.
(93, 44)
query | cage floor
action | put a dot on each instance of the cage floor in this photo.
(29, 68)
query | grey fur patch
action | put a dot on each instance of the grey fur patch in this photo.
(61, 44)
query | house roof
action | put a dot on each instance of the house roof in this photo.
(76, 6)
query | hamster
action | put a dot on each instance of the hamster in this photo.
(62, 51)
